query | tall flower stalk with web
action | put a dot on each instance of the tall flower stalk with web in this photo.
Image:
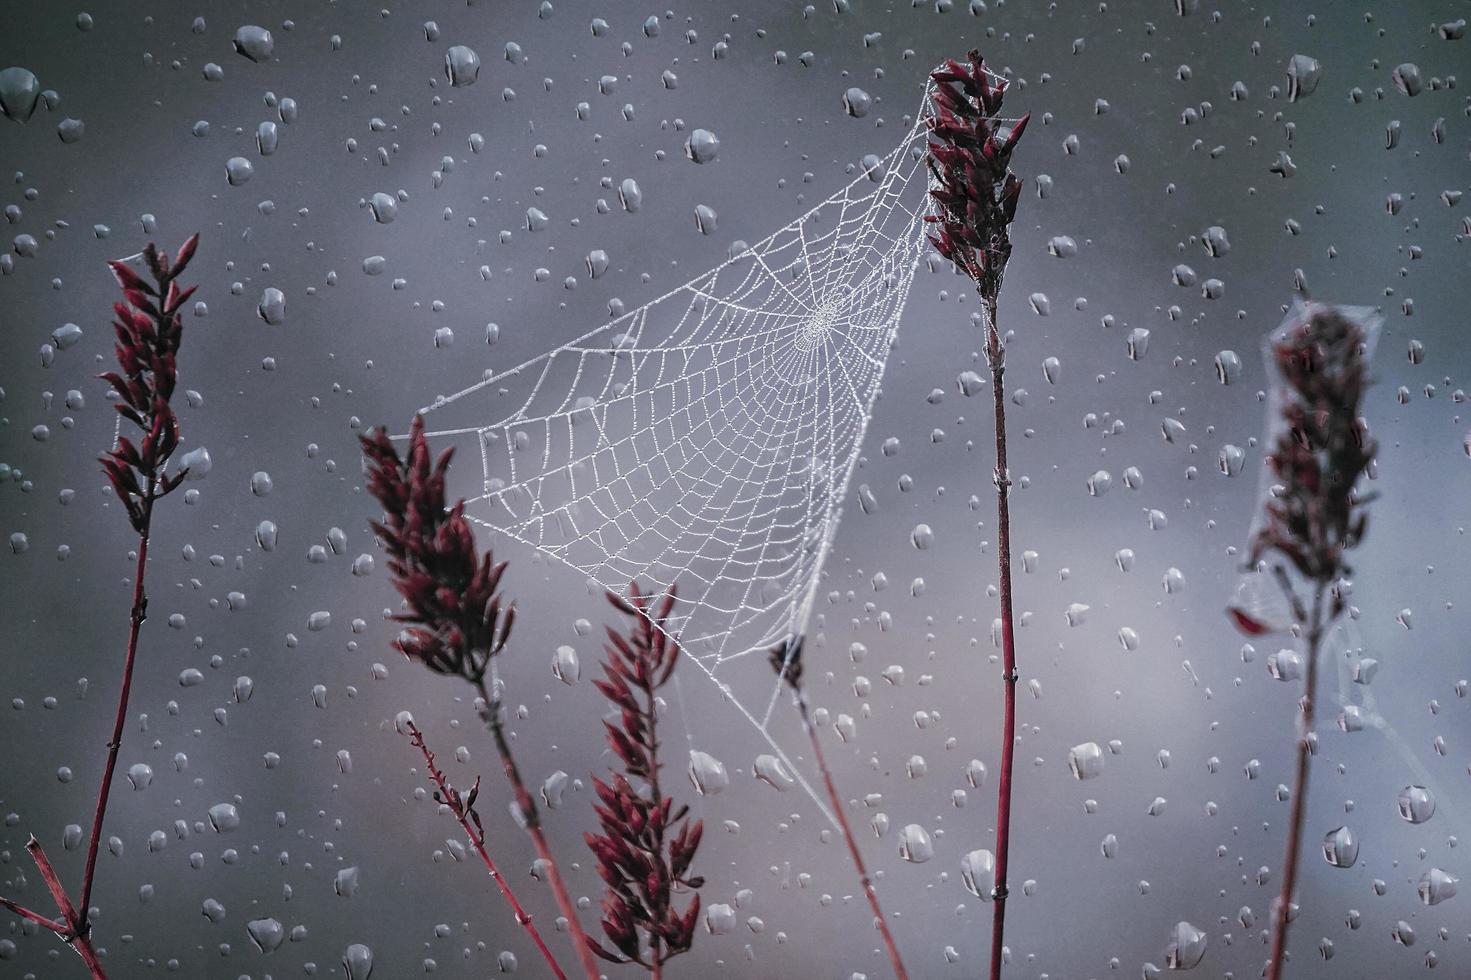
(455, 625)
(149, 329)
(786, 660)
(1314, 515)
(975, 196)
(647, 843)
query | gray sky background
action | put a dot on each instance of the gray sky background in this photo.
(375, 114)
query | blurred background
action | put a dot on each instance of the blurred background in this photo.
(1152, 122)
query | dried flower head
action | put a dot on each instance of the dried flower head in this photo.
(149, 328)
(969, 155)
(455, 621)
(1323, 448)
(786, 659)
(647, 843)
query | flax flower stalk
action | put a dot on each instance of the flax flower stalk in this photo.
(455, 623)
(1312, 518)
(148, 329)
(786, 660)
(975, 195)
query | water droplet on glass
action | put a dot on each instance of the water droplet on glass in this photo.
(357, 959)
(1341, 847)
(707, 773)
(1416, 804)
(254, 43)
(915, 845)
(565, 665)
(703, 146)
(461, 66)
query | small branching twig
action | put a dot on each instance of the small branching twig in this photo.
(647, 844)
(976, 196)
(786, 660)
(463, 808)
(1312, 519)
(454, 624)
(149, 328)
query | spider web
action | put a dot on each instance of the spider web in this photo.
(707, 439)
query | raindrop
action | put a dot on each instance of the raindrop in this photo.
(254, 43)
(461, 66)
(1341, 847)
(20, 92)
(357, 959)
(978, 873)
(1303, 75)
(915, 845)
(707, 773)
(1416, 804)
(565, 665)
(703, 146)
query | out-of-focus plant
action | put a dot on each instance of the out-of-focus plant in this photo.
(149, 329)
(975, 195)
(786, 660)
(647, 843)
(1312, 517)
(454, 623)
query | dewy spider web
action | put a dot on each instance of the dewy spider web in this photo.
(707, 438)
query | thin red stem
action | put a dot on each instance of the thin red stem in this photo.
(1275, 966)
(529, 814)
(36, 917)
(73, 934)
(847, 831)
(996, 354)
(476, 838)
(135, 625)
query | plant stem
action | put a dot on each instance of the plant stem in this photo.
(476, 837)
(72, 932)
(135, 625)
(996, 355)
(847, 831)
(1299, 790)
(533, 827)
(73, 927)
